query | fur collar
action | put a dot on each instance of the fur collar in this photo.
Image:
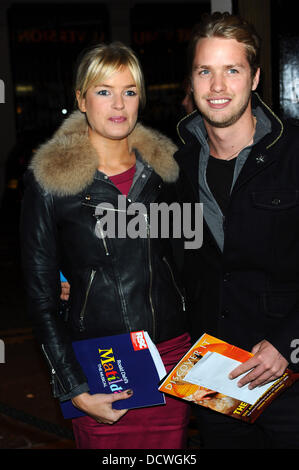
(66, 164)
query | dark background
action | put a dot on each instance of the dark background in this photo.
(44, 42)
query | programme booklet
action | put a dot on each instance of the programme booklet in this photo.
(201, 376)
(116, 363)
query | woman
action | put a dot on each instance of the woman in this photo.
(118, 284)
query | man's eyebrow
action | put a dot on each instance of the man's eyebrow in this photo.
(231, 66)
(201, 66)
(226, 66)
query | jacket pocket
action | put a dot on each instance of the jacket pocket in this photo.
(279, 304)
(275, 199)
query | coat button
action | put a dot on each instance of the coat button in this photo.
(224, 313)
(275, 201)
(226, 277)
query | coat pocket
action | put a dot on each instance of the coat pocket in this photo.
(279, 304)
(275, 199)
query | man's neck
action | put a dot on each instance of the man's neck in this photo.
(226, 143)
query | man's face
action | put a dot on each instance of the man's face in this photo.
(222, 81)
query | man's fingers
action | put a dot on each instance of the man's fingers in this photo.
(254, 378)
(242, 368)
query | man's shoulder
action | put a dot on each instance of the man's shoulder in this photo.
(291, 127)
(292, 122)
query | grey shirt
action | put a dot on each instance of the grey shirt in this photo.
(211, 210)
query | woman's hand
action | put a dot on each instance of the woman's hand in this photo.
(65, 290)
(99, 405)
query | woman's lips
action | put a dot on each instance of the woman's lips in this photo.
(117, 119)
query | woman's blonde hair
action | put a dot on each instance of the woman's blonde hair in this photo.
(102, 60)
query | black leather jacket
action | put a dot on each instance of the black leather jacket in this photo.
(117, 284)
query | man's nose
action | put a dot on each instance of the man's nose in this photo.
(218, 82)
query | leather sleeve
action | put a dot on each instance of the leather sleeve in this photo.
(40, 261)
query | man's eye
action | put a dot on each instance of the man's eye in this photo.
(204, 72)
(232, 71)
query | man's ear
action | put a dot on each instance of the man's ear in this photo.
(80, 101)
(256, 79)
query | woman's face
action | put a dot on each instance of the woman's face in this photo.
(111, 107)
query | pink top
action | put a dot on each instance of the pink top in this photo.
(124, 180)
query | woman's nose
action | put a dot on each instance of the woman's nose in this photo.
(118, 102)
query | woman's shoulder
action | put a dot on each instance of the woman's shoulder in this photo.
(66, 163)
(157, 150)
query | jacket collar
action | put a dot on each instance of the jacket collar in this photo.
(195, 119)
(260, 157)
(66, 164)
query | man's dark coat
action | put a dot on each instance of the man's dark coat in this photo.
(250, 292)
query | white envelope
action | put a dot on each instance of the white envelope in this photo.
(212, 372)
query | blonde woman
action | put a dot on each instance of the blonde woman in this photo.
(118, 284)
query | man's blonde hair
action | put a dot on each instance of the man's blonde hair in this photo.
(227, 26)
(102, 60)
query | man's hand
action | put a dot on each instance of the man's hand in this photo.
(266, 365)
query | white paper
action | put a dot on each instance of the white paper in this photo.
(156, 356)
(212, 372)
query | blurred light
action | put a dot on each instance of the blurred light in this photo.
(24, 88)
(64, 111)
(12, 184)
(164, 86)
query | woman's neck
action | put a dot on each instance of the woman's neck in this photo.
(114, 155)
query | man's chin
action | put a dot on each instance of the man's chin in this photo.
(221, 123)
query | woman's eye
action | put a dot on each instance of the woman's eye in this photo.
(103, 92)
(131, 93)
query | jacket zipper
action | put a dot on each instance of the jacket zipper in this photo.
(151, 276)
(175, 284)
(103, 238)
(82, 313)
(53, 371)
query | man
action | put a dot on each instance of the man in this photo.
(242, 163)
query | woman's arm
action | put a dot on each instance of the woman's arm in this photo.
(40, 261)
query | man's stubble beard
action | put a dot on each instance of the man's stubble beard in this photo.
(231, 120)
